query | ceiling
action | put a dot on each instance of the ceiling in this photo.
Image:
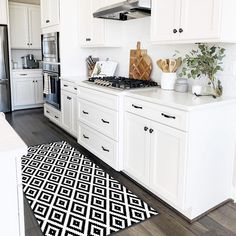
(27, 1)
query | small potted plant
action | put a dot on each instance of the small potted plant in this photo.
(205, 61)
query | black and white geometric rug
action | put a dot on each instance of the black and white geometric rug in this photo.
(72, 196)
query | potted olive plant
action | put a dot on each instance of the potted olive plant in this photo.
(205, 61)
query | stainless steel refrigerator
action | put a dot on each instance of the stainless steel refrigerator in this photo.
(5, 91)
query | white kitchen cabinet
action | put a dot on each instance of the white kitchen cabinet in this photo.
(191, 21)
(25, 30)
(98, 124)
(52, 114)
(27, 89)
(69, 107)
(181, 149)
(50, 13)
(12, 148)
(3, 15)
(137, 141)
(150, 150)
(97, 32)
(167, 162)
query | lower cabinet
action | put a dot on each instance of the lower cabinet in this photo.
(69, 112)
(69, 107)
(154, 156)
(27, 90)
(52, 114)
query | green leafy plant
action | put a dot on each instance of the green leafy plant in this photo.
(207, 61)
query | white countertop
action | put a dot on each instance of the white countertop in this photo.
(74, 79)
(10, 143)
(183, 101)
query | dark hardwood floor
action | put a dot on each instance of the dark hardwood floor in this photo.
(35, 129)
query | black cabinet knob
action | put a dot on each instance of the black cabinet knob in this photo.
(175, 31)
(145, 128)
(181, 30)
(47, 21)
(151, 131)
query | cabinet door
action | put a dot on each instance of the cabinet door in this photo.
(137, 148)
(165, 20)
(44, 13)
(84, 10)
(54, 12)
(74, 115)
(66, 109)
(200, 19)
(167, 163)
(3, 15)
(39, 91)
(98, 25)
(34, 27)
(19, 32)
(24, 92)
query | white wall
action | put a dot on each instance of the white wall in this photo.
(73, 56)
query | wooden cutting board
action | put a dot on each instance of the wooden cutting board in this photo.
(140, 64)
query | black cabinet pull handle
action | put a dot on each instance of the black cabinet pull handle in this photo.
(31, 44)
(65, 85)
(36, 81)
(23, 74)
(33, 81)
(181, 30)
(47, 21)
(151, 131)
(137, 107)
(105, 150)
(175, 31)
(145, 128)
(48, 112)
(104, 121)
(86, 137)
(167, 116)
(85, 112)
(56, 117)
(75, 89)
(28, 44)
(69, 98)
(88, 39)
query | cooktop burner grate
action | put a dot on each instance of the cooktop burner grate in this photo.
(122, 82)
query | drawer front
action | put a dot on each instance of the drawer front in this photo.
(101, 119)
(17, 75)
(164, 115)
(68, 86)
(98, 144)
(100, 98)
(52, 114)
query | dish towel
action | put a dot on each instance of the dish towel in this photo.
(47, 84)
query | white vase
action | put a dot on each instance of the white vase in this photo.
(168, 80)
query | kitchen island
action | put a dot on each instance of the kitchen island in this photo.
(12, 148)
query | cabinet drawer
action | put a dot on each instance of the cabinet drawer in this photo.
(101, 119)
(68, 86)
(27, 74)
(164, 115)
(52, 114)
(98, 144)
(100, 98)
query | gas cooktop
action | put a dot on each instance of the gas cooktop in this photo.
(121, 83)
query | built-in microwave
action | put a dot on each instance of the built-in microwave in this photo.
(50, 47)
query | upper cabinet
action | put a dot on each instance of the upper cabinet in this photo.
(3, 15)
(50, 13)
(189, 21)
(25, 29)
(95, 32)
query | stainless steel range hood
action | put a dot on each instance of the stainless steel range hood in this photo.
(127, 10)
